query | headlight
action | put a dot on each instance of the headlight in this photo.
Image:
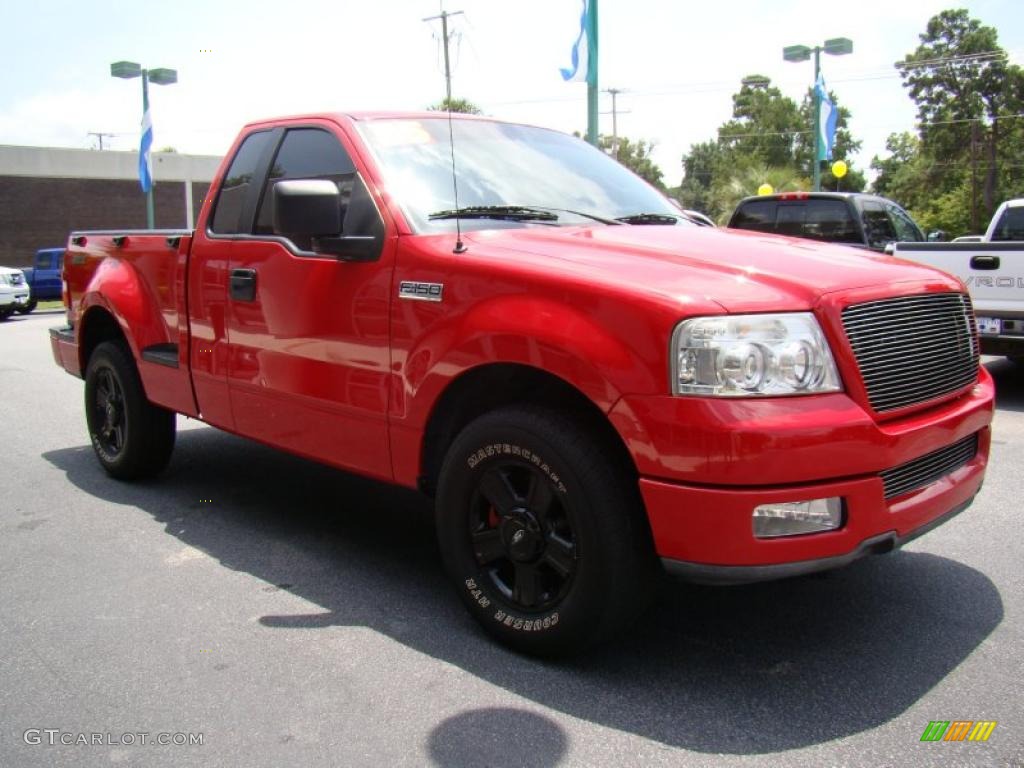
(752, 355)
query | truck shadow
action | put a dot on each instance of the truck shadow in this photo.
(1009, 379)
(740, 670)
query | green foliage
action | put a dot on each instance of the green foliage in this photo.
(635, 155)
(966, 157)
(456, 105)
(744, 179)
(769, 140)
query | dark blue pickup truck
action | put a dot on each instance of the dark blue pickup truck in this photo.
(44, 277)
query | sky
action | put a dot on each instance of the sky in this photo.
(677, 64)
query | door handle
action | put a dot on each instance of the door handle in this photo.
(984, 262)
(243, 284)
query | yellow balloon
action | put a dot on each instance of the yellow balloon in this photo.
(839, 169)
(765, 189)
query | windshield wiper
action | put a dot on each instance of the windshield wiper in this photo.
(506, 212)
(650, 218)
(591, 216)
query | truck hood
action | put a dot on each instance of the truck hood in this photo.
(740, 271)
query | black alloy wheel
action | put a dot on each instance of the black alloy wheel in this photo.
(522, 536)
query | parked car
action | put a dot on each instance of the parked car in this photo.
(44, 277)
(14, 292)
(852, 218)
(587, 398)
(990, 266)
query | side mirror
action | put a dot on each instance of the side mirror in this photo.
(310, 209)
(307, 207)
(937, 236)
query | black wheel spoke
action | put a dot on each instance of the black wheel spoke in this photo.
(488, 546)
(498, 491)
(560, 555)
(527, 587)
(540, 495)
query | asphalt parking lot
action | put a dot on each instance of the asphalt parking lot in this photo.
(290, 614)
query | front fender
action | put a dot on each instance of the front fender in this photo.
(525, 330)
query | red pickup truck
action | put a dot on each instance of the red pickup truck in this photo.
(590, 387)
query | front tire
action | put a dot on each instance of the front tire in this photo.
(27, 309)
(132, 438)
(543, 531)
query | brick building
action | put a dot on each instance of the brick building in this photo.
(47, 192)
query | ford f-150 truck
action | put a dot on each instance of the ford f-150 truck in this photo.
(992, 268)
(591, 387)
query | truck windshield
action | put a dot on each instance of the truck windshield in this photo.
(500, 166)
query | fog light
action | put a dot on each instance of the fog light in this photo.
(792, 518)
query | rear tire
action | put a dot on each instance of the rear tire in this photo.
(543, 532)
(28, 307)
(132, 438)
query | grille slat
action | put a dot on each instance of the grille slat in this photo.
(927, 469)
(913, 349)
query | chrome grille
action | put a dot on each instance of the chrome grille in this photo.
(929, 468)
(913, 349)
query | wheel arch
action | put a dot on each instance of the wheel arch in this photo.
(98, 325)
(491, 386)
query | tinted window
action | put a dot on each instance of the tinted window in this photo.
(230, 201)
(831, 220)
(306, 153)
(758, 215)
(46, 260)
(1011, 225)
(878, 226)
(906, 230)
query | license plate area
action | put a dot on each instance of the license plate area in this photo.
(989, 326)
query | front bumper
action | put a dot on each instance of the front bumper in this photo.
(701, 478)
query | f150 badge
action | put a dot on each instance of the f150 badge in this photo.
(420, 291)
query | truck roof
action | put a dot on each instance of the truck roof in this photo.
(361, 116)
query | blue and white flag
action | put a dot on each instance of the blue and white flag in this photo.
(145, 161)
(580, 69)
(827, 118)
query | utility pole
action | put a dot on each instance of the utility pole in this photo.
(99, 135)
(615, 119)
(443, 16)
(975, 226)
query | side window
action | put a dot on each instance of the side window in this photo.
(46, 261)
(906, 230)
(1011, 225)
(878, 226)
(758, 215)
(306, 153)
(227, 213)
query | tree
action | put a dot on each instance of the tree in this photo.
(764, 123)
(635, 155)
(767, 141)
(457, 105)
(744, 179)
(965, 89)
(699, 170)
